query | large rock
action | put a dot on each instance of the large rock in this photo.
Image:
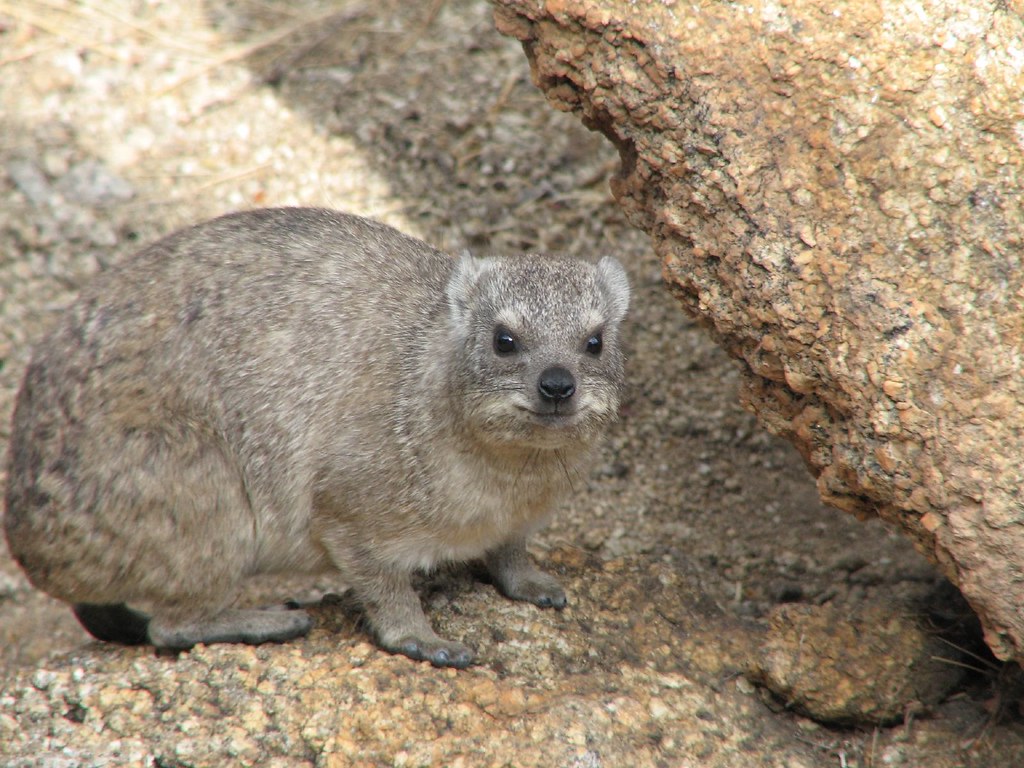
(836, 190)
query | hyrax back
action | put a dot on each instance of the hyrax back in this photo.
(295, 389)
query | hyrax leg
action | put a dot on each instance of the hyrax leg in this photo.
(518, 578)
(212, 532)
(118, 623)
(396, 617)
(170, 526)
(230, 626)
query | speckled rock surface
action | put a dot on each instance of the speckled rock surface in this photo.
(836, 192)
(610, 681)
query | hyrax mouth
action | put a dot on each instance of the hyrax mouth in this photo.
(551, 418)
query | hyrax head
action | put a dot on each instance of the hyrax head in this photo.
(538, 361)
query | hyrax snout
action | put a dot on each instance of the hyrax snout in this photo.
(298, 389)
(555, 385)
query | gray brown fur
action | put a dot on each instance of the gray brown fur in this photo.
(298, 389)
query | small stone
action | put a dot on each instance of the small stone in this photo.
(806, 233)
(30, 180)
(91, 183)
(938, 116)
(43, 679)
(862, 665)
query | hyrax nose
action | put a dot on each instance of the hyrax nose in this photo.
(556, 384)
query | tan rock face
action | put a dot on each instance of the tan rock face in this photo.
(836, 191)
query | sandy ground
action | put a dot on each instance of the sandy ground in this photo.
(121, 121)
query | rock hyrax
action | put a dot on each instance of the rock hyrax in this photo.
(295, 389)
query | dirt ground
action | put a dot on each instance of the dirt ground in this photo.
(121, 121)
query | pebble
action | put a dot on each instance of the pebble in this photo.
(30, 180)
(91, 183)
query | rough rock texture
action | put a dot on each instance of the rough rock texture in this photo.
(837, 192)
(612, 681)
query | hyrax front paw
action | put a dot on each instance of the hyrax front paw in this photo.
(440, 653)
(519, 579)
(538, 588)
(397, 621)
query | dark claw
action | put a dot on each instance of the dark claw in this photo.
(411, 649)
(558, 602)
(459, 658)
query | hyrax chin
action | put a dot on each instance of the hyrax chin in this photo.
(295, 389)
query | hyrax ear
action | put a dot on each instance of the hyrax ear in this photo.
(615, 285)
(462, 287)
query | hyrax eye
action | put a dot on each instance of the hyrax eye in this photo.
(505, 342)
(594, 344)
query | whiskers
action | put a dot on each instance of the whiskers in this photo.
(530, 463)
(560, 457)
(496, 388)
(537, 461)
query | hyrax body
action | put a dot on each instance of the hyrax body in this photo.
(295, 389)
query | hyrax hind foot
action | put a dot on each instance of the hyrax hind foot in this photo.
(117, 623)
(232, 626)
(113, 622)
